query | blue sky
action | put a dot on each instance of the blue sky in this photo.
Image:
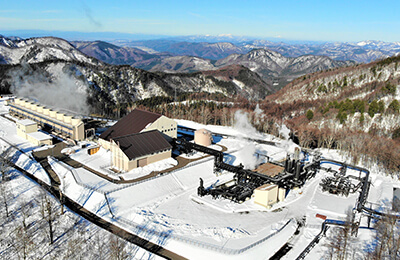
(334, 20)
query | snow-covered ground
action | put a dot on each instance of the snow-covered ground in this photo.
(167, 211)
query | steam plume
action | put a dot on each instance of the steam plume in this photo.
(60, 90)
(246, 155)
(287, 144)
(243, 125)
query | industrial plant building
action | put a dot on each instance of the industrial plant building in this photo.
(28, 130)
(67, 125)
(138, 139)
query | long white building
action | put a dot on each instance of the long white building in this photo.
(64, 124)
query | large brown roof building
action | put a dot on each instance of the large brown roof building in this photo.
(132, 123)
(138, 139)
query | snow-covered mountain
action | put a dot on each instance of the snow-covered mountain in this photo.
(206, 50)
(37, 50)
(44, 64)
(114, 54)
(111, 86)
(362, 52)
(273, 67)
(358, 98)
(179, 64)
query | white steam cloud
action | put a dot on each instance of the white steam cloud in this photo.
(247, 154)
(59, 90)
(258, 112)
(243, 125)
(284, 131)
(287, 144)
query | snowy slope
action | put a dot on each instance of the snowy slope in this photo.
(37, 50)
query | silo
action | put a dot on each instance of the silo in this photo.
(203, 137)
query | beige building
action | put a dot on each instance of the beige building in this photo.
(139, 121)
(138, 139)
(266, 195)
(25, 127)
(64, 124)
(28, 130)
(39, 138)
(138, 150)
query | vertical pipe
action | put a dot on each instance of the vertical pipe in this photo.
(297, 170)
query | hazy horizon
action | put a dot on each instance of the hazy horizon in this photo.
(114, 36)
(292, 20)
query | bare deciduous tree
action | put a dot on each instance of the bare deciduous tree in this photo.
(25, 211)
(22, 242)
(74, 248)
(5, 193)
(4, 167)
(49, 213)
(340, 240)
(386, 243)
(117, 248)
(99, 246)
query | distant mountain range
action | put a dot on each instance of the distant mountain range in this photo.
(117, 75)
(41, 63)
(113, 54)
(205, 46)
(362, 52)
(275, 69)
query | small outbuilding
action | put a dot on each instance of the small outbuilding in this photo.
(39, 138)
(25, 127)
(266, 195)
(28, 130)
(203, 137)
